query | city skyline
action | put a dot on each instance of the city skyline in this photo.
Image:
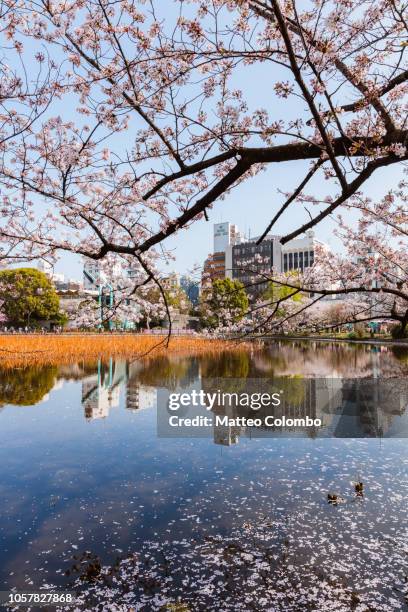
(192, 247)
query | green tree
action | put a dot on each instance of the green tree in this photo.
(225, 302)
(27, 297)
(276, 292)
(177, 298)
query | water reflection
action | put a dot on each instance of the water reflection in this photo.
(354, 390)
(27, 386)
(101, 390)
(86, 475)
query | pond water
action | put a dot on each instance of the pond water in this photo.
(94, 501)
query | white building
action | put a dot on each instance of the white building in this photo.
(47, 268)
(225, 235)
(299, 254)
(95, 274)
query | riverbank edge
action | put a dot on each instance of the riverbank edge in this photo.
(376, 341)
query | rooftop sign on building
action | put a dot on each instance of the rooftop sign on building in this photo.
(225, 235)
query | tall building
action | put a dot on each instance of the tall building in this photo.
(191, 288)
(218, 263)
(251, 262)
(225, 235)
(214, 267)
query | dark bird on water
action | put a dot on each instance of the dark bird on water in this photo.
(359, 488)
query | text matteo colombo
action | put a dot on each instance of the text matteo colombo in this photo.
(226, 421)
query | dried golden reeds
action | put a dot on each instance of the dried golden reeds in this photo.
(39, 349)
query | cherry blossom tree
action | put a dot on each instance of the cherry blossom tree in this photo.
(370, 276)
(149, 123)
(124, 298)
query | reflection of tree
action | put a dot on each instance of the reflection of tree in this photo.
(226, 365)
(265, 363)
(168, 372)
(401, 353)
(318, 359)
(26, 386)
(294, 390)
(77, 371)
(225, 372)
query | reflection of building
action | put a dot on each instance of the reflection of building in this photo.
(101, 391)
(370, 406)
(301, 398)
(350, 408)
(97, 400)
(139, 396)
(225, 435)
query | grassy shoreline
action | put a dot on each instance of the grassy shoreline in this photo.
(49, 349)
(42, 349)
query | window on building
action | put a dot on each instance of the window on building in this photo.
(306, 254)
